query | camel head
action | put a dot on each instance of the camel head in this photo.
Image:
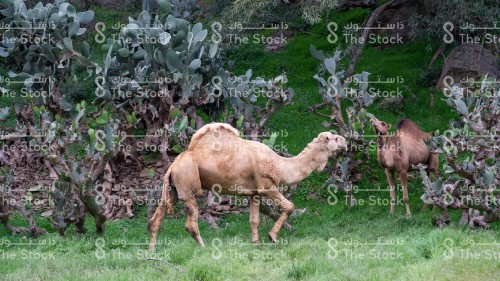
(380, 127)
(332, 142)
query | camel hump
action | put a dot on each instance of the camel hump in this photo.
(214, 128)
(408, 127)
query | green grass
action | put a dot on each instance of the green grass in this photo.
(330, 243)
(309, 252)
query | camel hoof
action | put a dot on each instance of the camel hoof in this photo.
(201, 244)
(272, 237)
(408, 216)
(256, 242)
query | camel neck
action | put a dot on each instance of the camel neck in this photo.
(382, 140)
(296, 169)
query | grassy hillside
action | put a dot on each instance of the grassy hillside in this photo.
(331, 242)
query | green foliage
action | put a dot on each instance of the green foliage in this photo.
(157, 73)
(429, 22)
(429, 77)
(42, 41)
(246, 96)
(77, 159)
(281, 10)
(472, 182)
(355, 127)
(161, 69)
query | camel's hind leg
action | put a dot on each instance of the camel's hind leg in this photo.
(192, 220)
(159, 215)
(186, 179)
(392, 188)
(254, 217)
(404, 183)
(285, 205)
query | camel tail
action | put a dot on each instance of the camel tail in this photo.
(165, 205)
(165, 195)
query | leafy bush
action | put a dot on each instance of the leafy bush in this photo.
(429, 77)
(471, 147)
(158, 73)
(42, 41)
(258, 11)
(357, 123)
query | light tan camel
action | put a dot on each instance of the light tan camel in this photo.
(218, 157)
(400, 151)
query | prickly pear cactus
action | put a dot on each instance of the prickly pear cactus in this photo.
(333, 90)
(471, 147)
(41, 42)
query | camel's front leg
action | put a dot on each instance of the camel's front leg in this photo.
(255, 217)
(192, 220)
(404, 183)
(285, 205)
(390, 179)
(268, 211)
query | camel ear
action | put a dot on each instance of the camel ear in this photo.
(324, 137)
(389, 126)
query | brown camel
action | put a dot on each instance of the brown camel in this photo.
(218, 157)
(400, 151)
